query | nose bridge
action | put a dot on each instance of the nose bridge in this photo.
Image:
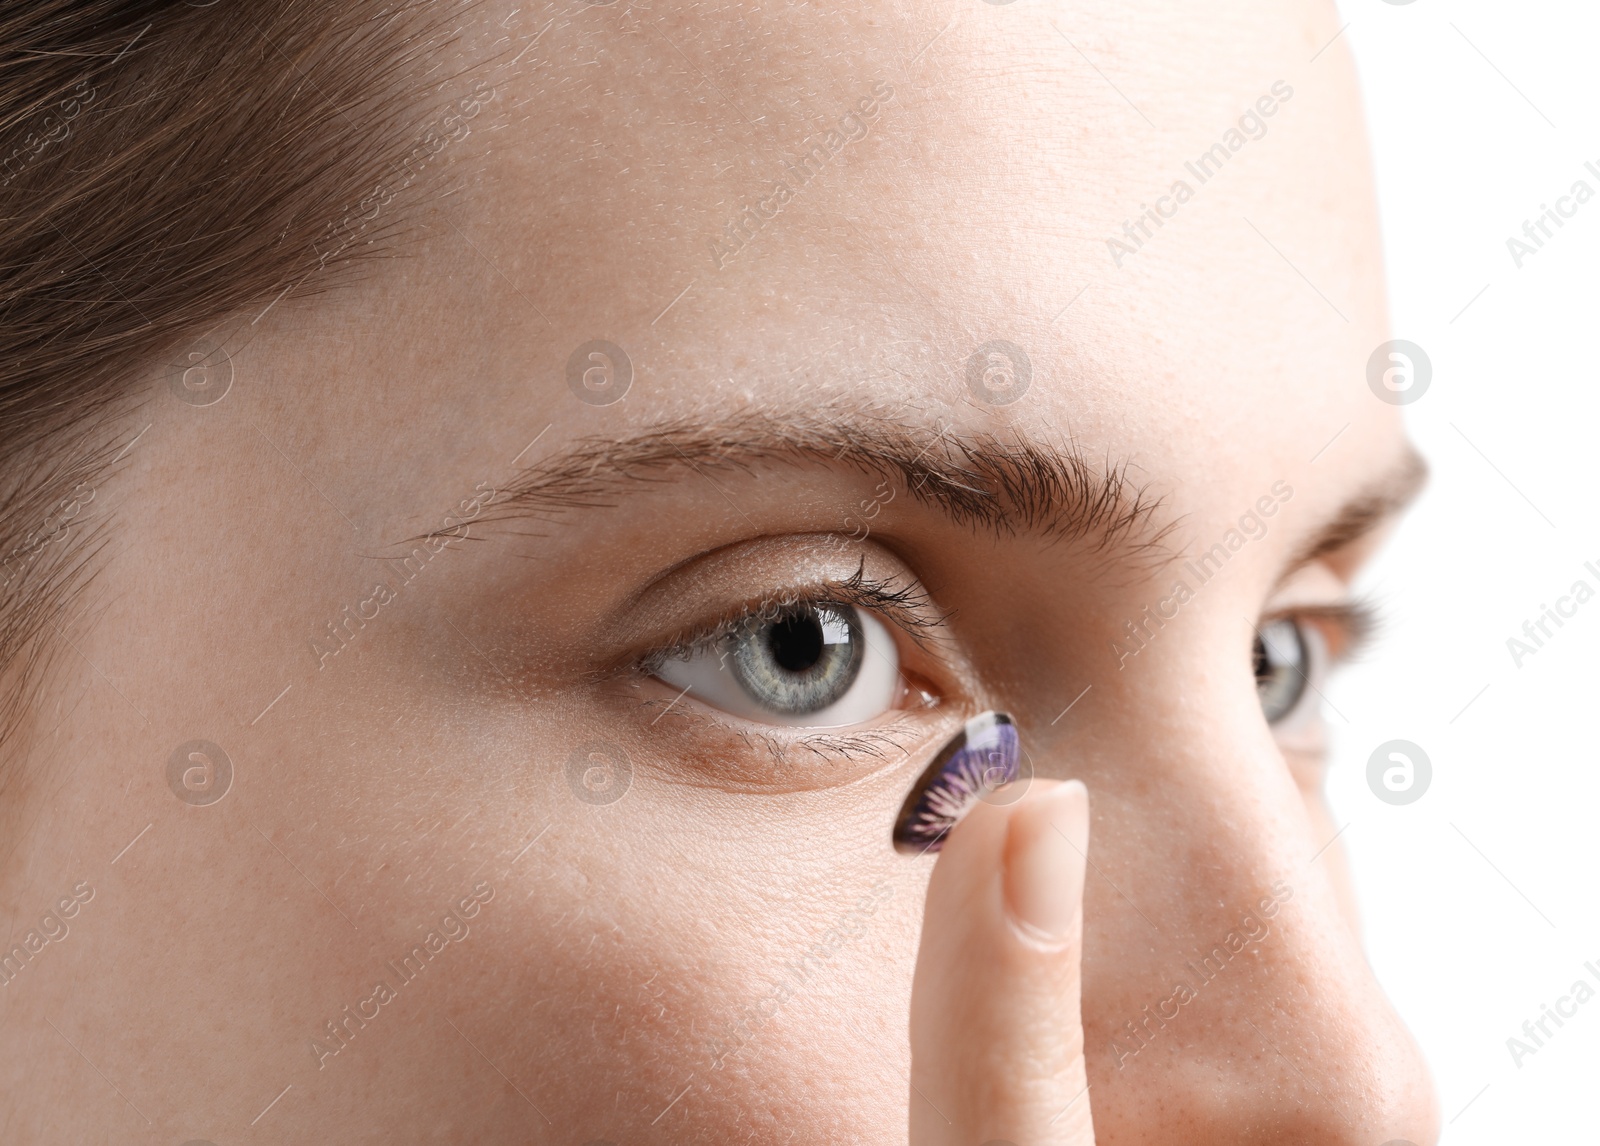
(1257, 1006)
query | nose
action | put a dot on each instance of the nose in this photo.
(1227, 998)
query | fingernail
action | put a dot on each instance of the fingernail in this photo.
(1046, 851)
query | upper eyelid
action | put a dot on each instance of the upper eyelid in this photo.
(905, 603)
(1359, 623)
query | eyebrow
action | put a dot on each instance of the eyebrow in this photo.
(1373, 506)
(979, 481)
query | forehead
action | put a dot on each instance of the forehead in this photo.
(1151, 229)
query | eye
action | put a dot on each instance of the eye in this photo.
(817, 665)
(1286, 655)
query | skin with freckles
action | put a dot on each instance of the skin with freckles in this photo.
(481, 874)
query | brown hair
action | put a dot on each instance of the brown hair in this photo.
(166, 165)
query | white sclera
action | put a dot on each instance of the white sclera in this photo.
(708, 679)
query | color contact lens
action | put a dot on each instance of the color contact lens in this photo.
(980, 758)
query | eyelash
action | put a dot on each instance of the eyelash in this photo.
(1355, 625)
(907, 604)
(878, 743)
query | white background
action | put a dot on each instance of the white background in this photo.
(1482, 899)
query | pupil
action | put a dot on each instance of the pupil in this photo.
(796, 642)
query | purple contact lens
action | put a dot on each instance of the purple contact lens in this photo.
(980, 758)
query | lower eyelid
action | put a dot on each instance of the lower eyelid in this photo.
(700, 747)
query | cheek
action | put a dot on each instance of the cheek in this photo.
(676, 960)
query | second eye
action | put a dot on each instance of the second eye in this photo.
(1287, 655)
(819, 665)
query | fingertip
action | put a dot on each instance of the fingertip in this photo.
(1044, 859)
(996, 1025)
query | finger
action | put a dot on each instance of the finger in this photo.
(996, 1030)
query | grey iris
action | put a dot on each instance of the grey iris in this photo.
(1281, 667)
(802, 661)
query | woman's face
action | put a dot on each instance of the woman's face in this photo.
(1046, 375)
